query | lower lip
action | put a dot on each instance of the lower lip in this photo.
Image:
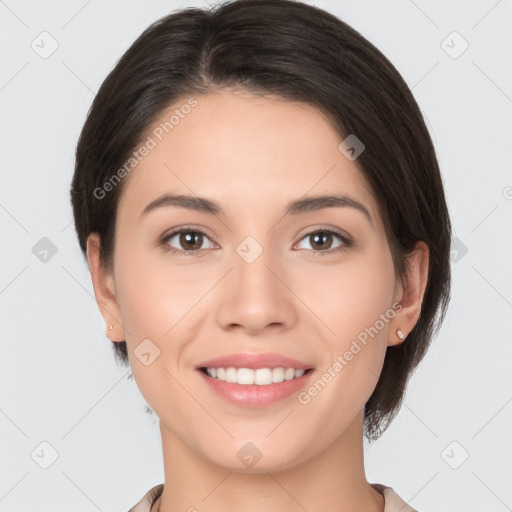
(253, 395)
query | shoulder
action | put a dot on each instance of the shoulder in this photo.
(392, 501)
(145, 503)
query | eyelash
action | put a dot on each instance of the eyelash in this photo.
(346, 241)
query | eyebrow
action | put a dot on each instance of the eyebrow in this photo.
(307, 204)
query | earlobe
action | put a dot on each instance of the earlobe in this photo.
(412, 293)
(104, 290)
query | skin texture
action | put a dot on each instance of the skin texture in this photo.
(253, 156)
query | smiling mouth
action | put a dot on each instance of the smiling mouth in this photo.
(259, 377)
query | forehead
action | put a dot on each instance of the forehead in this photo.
(245, 151)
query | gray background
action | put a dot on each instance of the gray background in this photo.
(59, 383)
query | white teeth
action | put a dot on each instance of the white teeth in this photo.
(261, 376)
(289, 374)
(231, 375)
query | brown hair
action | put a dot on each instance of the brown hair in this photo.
(301, 53)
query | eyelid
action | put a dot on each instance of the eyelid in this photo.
(195, 228)
(329, 229)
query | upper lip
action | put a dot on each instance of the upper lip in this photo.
(254, 361)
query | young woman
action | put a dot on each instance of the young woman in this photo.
(263, 216)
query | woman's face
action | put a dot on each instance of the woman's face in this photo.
(261, 279)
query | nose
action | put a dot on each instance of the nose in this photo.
(256, 295)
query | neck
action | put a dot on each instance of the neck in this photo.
(333, 480)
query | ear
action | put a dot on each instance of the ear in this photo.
(104, 290)
(410, 294)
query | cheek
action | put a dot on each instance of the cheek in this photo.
(350, 296)
(354, 303)
(153, 292)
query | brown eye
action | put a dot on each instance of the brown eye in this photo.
(322, 240)
(188, 240)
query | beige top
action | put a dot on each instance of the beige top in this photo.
(392, 502)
